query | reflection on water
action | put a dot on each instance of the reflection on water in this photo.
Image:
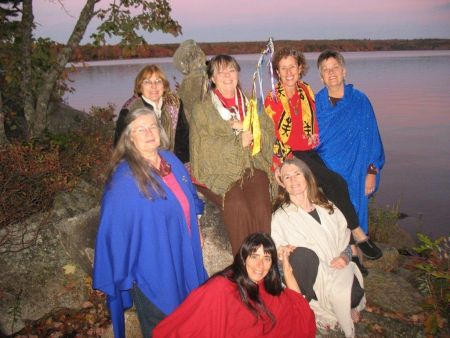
(410, 92)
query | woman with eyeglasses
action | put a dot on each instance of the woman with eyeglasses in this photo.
(152, 90)
(221, 153)
(148, 249)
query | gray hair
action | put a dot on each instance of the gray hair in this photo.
(131, 116)
(125, 150)
(328, 54)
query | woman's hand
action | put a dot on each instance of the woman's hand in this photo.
(313, 140)
(285, 264)
(236, 125)
(283, 255)
(370, 184)
(247, 138)
(339, 262)
(282, 249)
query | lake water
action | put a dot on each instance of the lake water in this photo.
(410, 92)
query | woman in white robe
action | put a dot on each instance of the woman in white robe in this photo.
(314, 231)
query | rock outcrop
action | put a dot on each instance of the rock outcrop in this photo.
(53, 270)
(63, 118)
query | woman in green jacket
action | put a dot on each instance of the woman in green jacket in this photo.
(221, 153)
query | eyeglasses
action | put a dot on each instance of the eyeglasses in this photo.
(143, 130)
(148, 82)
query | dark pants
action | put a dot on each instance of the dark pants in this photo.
(332, 184)
(305, 265)
(246, 208)
(149, 315)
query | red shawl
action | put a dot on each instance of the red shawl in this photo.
(216, 310)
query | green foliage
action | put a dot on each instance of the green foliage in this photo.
(9, 11)
(43, 59)
(9, 48)
(119, 20)
(434, 282)
(382, 221)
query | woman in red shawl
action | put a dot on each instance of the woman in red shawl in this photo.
(245, 299)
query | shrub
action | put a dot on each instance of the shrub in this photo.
(32, 173)
(434, 283)
(30, 176)
(382, 221)
(85, 153)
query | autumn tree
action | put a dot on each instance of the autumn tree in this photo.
(37, 82)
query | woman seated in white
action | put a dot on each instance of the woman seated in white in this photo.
(314, 233)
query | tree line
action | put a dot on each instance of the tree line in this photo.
(91, 52)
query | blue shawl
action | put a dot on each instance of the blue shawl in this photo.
(147, 243)
(350, 142)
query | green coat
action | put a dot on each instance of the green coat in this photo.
(217, 157)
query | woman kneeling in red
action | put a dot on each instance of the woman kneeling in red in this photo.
(245, 299)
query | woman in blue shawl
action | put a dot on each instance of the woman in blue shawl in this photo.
(148, 243)
(350, 143)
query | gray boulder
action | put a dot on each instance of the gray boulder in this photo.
(216, 249)
(392, 293)
(47, 259)
(63, 118)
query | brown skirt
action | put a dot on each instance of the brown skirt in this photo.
(247, 207)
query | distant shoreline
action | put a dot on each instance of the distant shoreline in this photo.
(115, 52)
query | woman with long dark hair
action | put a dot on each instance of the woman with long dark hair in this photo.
(247, 298)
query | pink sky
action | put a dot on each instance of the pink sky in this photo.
(247, 20)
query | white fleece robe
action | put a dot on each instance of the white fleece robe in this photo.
(292, 225)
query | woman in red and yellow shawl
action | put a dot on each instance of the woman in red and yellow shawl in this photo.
(292, 109)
